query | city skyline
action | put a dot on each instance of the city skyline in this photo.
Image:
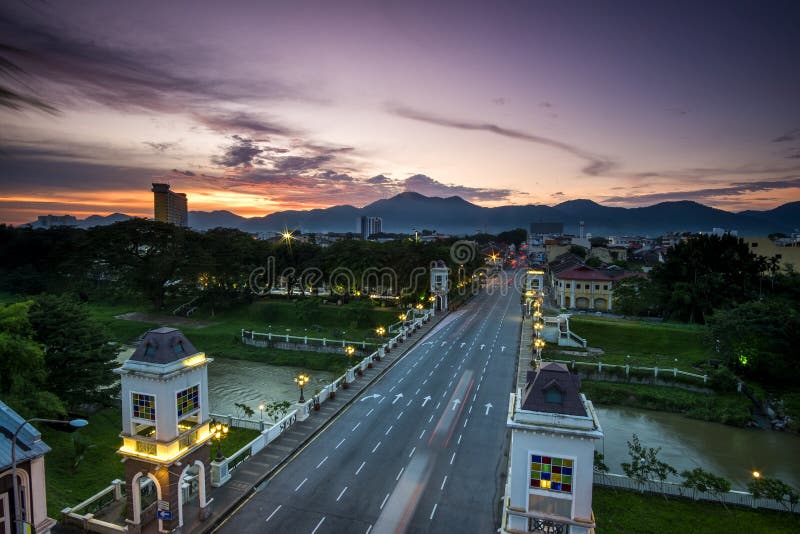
(262, 107)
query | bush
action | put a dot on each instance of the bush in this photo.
(722, 379)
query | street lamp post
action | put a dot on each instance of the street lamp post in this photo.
(380, 331)
(220, 431)
(301, 380)
(75, 423)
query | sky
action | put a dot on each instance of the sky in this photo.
(260, 106)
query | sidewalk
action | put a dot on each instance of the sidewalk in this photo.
(259, 467)
(525, 348)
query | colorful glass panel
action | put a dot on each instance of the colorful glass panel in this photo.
(188, 400)
(144, 406)
(554, 474)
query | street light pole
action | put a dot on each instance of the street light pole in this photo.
(76, 423)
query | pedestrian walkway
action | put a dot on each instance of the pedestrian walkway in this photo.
(249, 475)
(525, 352)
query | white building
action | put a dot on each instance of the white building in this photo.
(551, 461)
(370, 226)
(440, 285)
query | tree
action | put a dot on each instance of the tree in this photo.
(645, 464)
(22, 369)
(703, 481)
(775, 489)
(635, 295)
(514, 237)
(577, 250)
(598, 242)
(276, 410)
(78, 356)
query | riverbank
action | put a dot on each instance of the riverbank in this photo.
(628, 512)
(730, 409)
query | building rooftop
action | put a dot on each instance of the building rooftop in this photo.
(29, 440)
(162, 346)
(553, 389)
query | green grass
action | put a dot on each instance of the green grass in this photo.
(630, 512)
(235, 440)
(68, 486)
(731, 409)
(649, 345)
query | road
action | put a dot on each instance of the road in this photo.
(421, 450)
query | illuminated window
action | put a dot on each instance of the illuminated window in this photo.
(144, 406)
(188, 400)
(551, 473)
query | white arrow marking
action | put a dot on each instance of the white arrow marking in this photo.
(503, 348)
(488, 407)
(456, 403)
(482, 345)
(374, 396)
(397, 397)
(462, 345)
(425, 400)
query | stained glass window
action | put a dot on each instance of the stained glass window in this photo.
(551, 473)
(188, 400)
(144, 406)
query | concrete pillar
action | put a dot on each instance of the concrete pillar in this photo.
(572, 294)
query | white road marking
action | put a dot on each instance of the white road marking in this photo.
(392, 389)
(360, 467)
(376, 447)
(318, 525)
(409, 402)
(400, 414)
(368, 529)
(384, 501)
(301, 485)
(443, 481)
(370, 411)
(399, 474)
(340, 443)
(437, 405)
(357, 425)
(412, 451)
(424, 381)
(432, 512)
(470, 408)
(465, 422)
(274, 512)
(421, 434)
(417, 393)
(401, 379)
(389, 430)
(459, 439)
(453, 458)
(342, 493)
(322, 462)
(431, 419)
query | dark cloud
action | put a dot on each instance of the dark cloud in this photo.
(597, 165)
(545, 104)
(793, 154)
(676, 111)
(734, 189)
(501, 101)
(300, 164)
(426, 185)
(240, 122)
(379, 179)
(242, 152)
(558, 194)
(73, 68)
(791, 135)
(183, 173)
(160, 147)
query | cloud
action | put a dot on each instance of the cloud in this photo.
(243, 151)
(558, 194)
(545, 104)
(379, 179)
(791, 135)
(160, 147)
(183, 173)
(596, 164)
(734, 189)
(501, 101)
(241, 122)
(426, 185)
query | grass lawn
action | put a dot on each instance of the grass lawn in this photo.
(731, 409)
(630, 512)
(68, 485)
(648, 344)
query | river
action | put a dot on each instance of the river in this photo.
(688, 443)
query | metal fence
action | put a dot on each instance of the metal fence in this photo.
(736, 498)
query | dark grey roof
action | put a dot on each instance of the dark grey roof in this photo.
(553, 375)
(29, 440)
(163, 345)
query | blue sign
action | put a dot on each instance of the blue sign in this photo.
(166, 515)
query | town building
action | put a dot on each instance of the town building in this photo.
(54, 221)
(165, 429)
(169, 206)
(370, 226)
(788, 256)
(580, 287)
(440, 285)
(29, 456)
(551, 460)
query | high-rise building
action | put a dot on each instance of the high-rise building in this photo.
(168, 206)
(370, 226)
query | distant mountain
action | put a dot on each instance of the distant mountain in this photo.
(454, 215)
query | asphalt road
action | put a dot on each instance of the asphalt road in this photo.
(422, 449)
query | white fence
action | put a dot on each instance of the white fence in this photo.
(665, 371)
(221, 470)
(250, 337)
(736, 498)
(82, 515)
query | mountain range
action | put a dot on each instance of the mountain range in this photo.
(454, 215)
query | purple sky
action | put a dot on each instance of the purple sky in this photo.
(265, 105)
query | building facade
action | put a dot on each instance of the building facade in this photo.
(551, 460)
(169, 206)
(370, 226)
(31, 504)
(585, 288)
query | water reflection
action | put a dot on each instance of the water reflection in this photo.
(687, 443)
(254, 383)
